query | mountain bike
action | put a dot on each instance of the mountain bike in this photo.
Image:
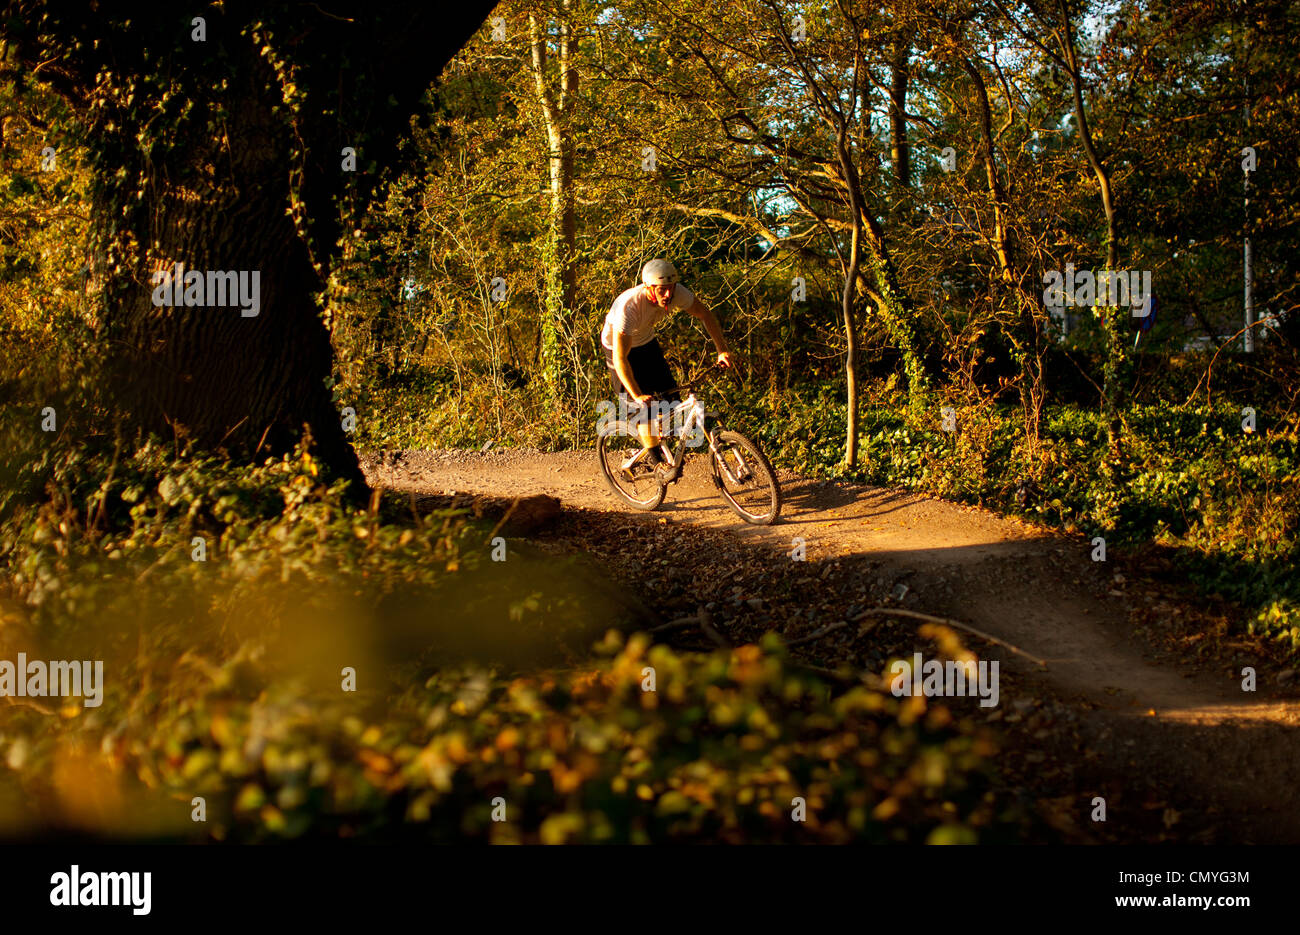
(740, 470)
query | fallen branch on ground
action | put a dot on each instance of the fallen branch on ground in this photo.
(674, 624)
(948, 621)
(703, 620)
(819, 633)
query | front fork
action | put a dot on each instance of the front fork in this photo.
(720, 460)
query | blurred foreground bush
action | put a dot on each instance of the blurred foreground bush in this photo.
(224, 680)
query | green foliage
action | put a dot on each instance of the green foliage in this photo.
(223, 681)
(45, 286)
(717, 752)
(444, 408)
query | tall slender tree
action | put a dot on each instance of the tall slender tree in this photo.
(555, 96)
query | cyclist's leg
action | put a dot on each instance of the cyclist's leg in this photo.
(644, 432)
(655, 377)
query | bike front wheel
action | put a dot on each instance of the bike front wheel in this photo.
(745, 479)
(637, 485)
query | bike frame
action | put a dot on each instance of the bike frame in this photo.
(692, 426)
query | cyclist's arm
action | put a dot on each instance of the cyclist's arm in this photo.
(622, 367)
(705, 314)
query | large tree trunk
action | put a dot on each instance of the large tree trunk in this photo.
(247, 383)
(225, 153)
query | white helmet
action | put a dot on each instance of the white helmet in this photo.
(658, 273)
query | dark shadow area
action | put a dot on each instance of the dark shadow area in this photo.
(1164, 778)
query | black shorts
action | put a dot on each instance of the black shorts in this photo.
(649, 369)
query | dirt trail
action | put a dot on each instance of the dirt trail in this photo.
(1039, 592)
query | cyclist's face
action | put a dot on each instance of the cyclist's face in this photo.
(660, 295)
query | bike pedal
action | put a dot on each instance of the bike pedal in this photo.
(665, 473)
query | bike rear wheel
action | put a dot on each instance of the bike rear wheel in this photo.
(745, 478)
(639, 485)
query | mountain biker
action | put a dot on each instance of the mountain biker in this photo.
(633, 356)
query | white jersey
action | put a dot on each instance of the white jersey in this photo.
(637, 317)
